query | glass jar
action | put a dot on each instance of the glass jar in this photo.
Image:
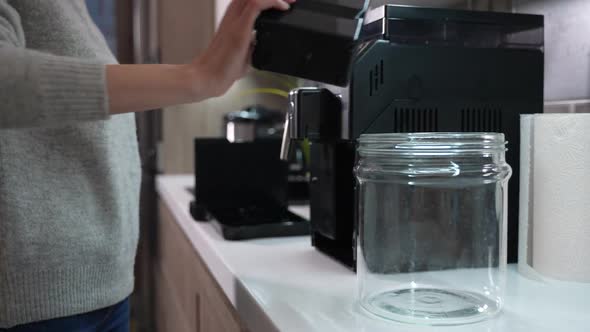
(431, 242)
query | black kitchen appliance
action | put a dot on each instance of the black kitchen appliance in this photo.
(397, 69)
(256, 122)
(242, 189)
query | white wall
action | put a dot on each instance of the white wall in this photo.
(220, 8)
(567, 46)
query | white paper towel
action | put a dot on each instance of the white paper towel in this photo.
(555, 196)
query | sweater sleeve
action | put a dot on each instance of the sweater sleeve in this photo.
(39, 89)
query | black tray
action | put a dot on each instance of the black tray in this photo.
(252, 222)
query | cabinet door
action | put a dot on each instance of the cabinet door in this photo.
(217, 313)
(174, 258)
(215, 321)
(169, 316)
(187, 294)
(174, 263)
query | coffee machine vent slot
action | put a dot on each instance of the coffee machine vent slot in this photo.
(414, 120)
(486, 119)
(376, 78)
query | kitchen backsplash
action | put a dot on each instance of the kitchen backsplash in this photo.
(567, 52)
(205, 119)
(568, 106)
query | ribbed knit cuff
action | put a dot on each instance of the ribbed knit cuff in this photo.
(71, 89)
(33, 295)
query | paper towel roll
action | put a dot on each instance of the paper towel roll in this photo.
(555, 196)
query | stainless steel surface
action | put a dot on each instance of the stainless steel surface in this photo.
(292, 130)
(145, 31)
(292, 113)
(238, 132)
(343, 93)
(145, 47)
(251, 123)
(286, 143)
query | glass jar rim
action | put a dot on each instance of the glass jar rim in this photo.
(432, 143)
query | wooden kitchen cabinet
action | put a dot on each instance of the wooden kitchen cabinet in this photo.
(188, 299)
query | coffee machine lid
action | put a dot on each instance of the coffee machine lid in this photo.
(318, 40)
(441, 27)
(314, 40)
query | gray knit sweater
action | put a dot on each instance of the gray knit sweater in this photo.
(69, 173)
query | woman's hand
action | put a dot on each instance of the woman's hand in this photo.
(229, 54)
(133, 88)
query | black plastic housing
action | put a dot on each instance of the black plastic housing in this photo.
(315, 40)
(242, 188)
(417, 70)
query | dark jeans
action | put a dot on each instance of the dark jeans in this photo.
(111, 319)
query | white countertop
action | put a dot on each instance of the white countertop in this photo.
(285, 284)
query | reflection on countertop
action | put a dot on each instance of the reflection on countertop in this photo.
(284, 284)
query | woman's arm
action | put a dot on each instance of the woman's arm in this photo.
(133, 88)
(38, 89)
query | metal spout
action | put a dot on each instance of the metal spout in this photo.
(286, 143)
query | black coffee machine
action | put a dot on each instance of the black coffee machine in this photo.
(397, 69)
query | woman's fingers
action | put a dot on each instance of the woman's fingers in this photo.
(261, 5)
(282, 5)
(228, 56)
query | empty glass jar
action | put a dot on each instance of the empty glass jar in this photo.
(431, 245)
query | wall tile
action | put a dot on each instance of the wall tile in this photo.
(567, 46)
(558, 108)
(181, 124)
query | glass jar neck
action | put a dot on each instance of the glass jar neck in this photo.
(432, 146)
